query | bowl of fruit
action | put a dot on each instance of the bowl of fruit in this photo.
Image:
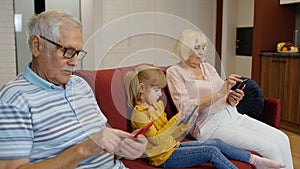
(287, 47)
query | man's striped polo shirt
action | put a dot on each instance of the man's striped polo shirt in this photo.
(38, 119)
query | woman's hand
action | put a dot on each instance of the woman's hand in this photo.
(232, 97)
(230, 82)
(235, 96)
(232, 79)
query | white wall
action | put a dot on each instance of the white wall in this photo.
(243, 65)
(245, 15)
(88, 22)
(229, 35)
(245, 18)
(7, 43)
(200, 13)
(72, 6)
(26, 8)
(236, 13)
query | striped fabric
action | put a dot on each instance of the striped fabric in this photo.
(39, 120)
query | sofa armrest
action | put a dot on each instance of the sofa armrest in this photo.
(271, 112)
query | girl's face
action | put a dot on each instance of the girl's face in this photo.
(152, 94)
(197, 55)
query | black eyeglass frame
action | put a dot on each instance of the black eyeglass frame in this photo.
(65, 49)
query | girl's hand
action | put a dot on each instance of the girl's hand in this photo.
(189, 114)
(181, 115)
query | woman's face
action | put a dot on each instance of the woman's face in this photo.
(197, 55)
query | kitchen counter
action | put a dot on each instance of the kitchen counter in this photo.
(279, 78)
(281, 54)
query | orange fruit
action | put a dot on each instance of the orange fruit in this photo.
(284, 49)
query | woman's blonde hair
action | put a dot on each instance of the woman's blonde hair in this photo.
(146, 74)
(186, 43)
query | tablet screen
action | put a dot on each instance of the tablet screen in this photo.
(189, 114)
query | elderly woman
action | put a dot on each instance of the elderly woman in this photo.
(194, 81)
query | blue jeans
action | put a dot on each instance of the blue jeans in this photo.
(215, 151)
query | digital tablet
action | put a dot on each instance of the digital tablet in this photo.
(188, 115)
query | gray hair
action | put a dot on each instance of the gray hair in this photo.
(49, 24)
(186, 42)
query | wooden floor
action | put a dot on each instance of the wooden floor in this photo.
(295, 146)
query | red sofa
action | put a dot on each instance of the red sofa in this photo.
(110, 94)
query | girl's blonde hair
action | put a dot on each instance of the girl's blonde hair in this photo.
(186, 43)
(146, 74)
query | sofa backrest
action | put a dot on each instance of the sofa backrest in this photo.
(108, 87)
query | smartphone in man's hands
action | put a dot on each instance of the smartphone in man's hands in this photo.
(143, 130)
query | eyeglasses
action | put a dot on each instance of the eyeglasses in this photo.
(68, 52)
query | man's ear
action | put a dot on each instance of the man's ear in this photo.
(35, 45)
(142, 87)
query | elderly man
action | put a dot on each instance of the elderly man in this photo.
(49, 118)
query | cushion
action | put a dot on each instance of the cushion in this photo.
(252, 103)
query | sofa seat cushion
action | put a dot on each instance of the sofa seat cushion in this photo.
(143, 164)
(109, 92)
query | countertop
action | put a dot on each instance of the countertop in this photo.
(280, 54)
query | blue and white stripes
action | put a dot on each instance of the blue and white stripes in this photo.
(15, 132)
(39, 120)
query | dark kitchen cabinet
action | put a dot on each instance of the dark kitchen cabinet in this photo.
(280, 78)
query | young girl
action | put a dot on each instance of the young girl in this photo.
(143, 89)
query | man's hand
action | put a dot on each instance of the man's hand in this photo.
(109, 139)
(120, 142)
(132, 148)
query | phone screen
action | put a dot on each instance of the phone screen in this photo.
(242, 84)
(188, 115)
(143, 130)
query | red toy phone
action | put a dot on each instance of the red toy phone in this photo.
(242, 84)
(143, 130)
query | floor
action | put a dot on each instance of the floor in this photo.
(295, 146)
